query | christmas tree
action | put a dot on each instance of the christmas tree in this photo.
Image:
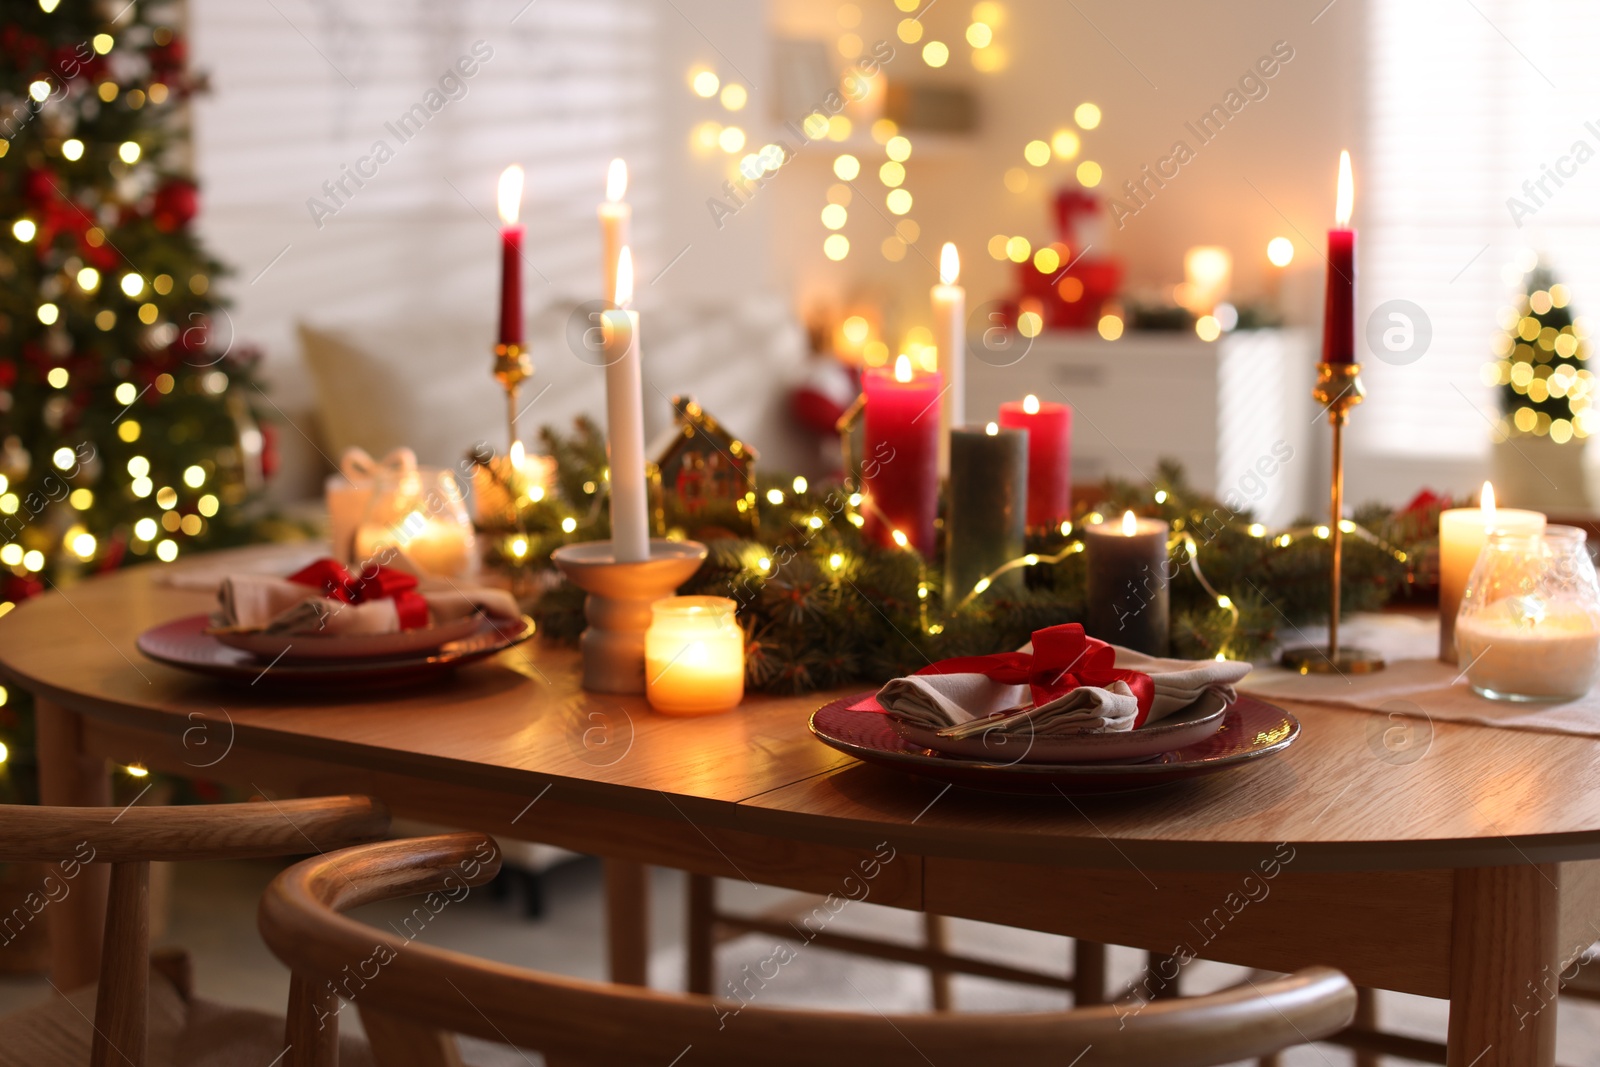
(126, 430)
(1546, 388)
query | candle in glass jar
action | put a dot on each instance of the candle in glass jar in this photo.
(694, 656)
(983, 525)
(1528, 648)
(1127, 566)
(1462, 534)
(1049, 429)
(615, 215)
(436, 546)
(900, 462)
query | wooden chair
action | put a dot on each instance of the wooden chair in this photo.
(709, 925)
(413, 997)
(71, 841)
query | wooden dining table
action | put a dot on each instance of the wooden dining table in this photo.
(1446, 860)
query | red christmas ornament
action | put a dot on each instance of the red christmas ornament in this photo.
(269, 450)
(18, 587)
(176, 203)
(168, 58)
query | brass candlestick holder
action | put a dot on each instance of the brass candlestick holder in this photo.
(512, 367)
(1338, 390)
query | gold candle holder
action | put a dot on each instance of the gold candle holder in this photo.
(512, 367)
(1338, 390)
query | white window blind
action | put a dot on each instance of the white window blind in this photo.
(305, 88)
(1467, 100)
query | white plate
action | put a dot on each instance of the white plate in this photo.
(351, 646)
(1185, 727)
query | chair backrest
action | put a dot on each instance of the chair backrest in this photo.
(68, 839)
(412, 997)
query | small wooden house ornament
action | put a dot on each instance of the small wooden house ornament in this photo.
(703, 474)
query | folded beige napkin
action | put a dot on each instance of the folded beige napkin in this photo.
(255, 601)
(937, 701)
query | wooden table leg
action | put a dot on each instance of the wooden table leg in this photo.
(701, 933)
(628, 921)
(1088, 973)
(69, 778)
(1367, 1019)
(936, 935)
(1504, 952)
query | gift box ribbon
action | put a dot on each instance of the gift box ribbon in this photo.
(381, 583)
(1064, 658)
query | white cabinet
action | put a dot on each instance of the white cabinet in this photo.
(1229, 411)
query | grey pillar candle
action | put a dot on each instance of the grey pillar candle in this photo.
(1127, 583)
(987, 504)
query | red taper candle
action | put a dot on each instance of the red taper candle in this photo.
(510, 257)
(1339, 310)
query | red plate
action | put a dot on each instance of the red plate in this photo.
(183, 643)
(1251, 730)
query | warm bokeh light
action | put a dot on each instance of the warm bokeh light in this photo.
(1280, 251)
(898, 148)
(1089, 174)
(834, 216)
(898, 201)
(836, 247)
(1065, 144)
(705, 83)
(734, 96)
(1036, 152)
(1018, 250)
(1046, 260)
(1087, 116)
(847, 168)
(1208, 328)
(1110, 327)
(936, 53)
(731, 139)
(979, 35)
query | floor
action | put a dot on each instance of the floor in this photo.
(213, 917)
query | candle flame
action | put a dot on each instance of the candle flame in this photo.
(1486, 500)
(1347, 191)
(624, 294)
(949, 264)
(517, 455)
(1030, 404)
(993, 430)
(510, 194)
(902, 368)
(617, 181)
(1130, 524)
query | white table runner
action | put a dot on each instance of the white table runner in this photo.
(1414, 682)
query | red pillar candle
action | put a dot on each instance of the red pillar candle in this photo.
(1339, 310)
(900, 459)
(510, 257)
(1049, 429)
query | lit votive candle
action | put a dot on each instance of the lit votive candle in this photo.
(1462, 535)
(1525, 648)
(1529, 627)
(1127, 565)
(694, 656)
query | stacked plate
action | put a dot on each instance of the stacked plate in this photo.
(1208, 736)
(314, 660)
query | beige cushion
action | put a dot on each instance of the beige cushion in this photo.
(197, 1033)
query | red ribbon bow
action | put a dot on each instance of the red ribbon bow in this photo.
(1064, 658)
(380, 583)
